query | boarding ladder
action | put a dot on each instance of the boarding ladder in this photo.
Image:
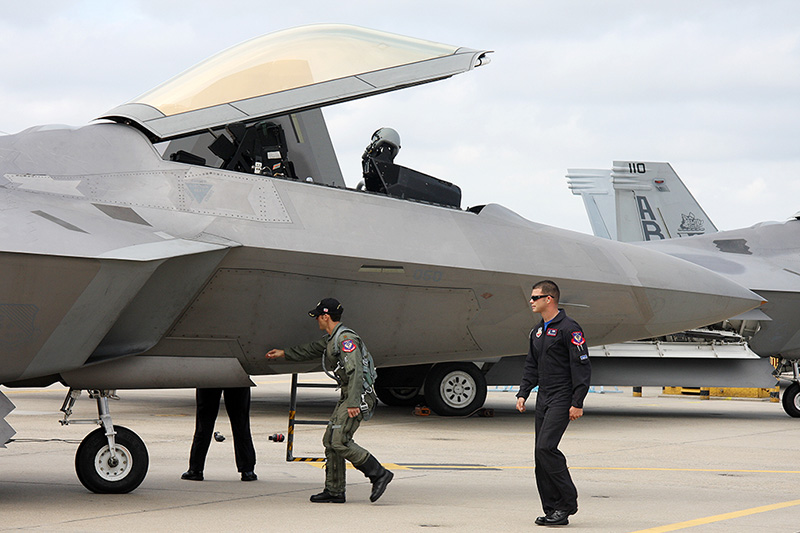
(293, 420)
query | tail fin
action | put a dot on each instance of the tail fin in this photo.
(594, 186)
(638, 201)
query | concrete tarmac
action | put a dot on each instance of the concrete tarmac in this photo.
(652, 464)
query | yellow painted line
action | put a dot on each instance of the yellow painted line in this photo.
(680, 469)
(456, 466)
(407, 466)
(446, 466)
(720, 517)
(647, 469)
(390, 466)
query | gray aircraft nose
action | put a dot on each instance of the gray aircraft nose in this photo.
(617, 291)
(664, 294)
(683, 295)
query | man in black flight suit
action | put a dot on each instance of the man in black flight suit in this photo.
(558, 362)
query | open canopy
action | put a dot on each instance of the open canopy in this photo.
(288, 71)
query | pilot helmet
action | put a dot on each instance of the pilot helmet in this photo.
(386, 136)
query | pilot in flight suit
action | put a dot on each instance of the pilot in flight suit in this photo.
(558, 362)
(342, 352)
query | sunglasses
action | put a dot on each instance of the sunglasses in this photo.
(534, 298)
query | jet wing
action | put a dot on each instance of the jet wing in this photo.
(290, 71)
(85, 282)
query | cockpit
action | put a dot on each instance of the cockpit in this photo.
(256, 107)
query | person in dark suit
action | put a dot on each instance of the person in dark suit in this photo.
(237, 404)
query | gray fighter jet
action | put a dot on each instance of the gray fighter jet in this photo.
(648, 203)
(175, 240)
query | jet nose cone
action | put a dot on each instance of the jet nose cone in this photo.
(672, 295)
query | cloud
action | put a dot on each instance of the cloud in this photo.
(710, 87)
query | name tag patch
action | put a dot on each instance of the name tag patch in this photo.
(552, 332)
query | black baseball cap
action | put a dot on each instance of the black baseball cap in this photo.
(326, 306)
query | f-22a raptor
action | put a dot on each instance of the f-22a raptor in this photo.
(647, 202)
(177, 238)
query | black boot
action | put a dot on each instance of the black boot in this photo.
(377, 474)
(193, 475)
(328, 497)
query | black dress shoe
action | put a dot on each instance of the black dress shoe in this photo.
(193, 475)
(328, 497)
(540, 519)
(249, 476)
(558, 518)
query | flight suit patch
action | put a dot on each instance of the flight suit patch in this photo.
(348, 346)
(577, 338)
(552, 332)
(538, 333)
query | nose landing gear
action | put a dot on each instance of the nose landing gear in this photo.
(111, 459)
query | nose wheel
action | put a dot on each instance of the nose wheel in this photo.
(101, 471)
(111, 459)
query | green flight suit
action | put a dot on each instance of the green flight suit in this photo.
(342, 354)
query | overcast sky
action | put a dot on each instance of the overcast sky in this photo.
(712, 87)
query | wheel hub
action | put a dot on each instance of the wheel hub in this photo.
(113, 468)
(458, 389)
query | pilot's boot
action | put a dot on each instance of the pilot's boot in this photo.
(377, 474)
(328, 497)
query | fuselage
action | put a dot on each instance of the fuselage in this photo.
(115, 253)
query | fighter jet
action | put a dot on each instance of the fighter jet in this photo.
(648, 203)
(181, 235)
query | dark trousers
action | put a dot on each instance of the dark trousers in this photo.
(556, 489)
(237, 404)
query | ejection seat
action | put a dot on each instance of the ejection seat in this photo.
(258, 148)
(381, 175)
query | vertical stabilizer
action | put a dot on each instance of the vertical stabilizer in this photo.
(594, 186)
(650, 202)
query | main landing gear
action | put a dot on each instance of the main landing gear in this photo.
(111, 459)
(449, 389)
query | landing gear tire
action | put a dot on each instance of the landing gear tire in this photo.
(399, 396)
(99, 472)
(455, 389)
(791, 400)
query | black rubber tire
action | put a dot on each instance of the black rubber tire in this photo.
(455, 389)
(791, 400)
(399, 396)
(93, 469)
